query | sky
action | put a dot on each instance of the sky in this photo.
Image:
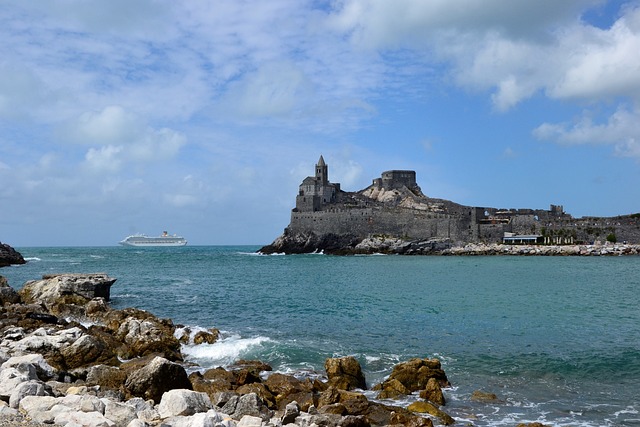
(202, 118)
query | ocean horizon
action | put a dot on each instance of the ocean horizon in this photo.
(555, 338)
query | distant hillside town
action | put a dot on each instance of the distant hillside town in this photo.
(394, 207)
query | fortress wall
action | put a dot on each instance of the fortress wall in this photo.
(397, 222)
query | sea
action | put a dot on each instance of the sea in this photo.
(557, 339)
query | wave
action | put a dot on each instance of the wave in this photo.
(223, 352)
(33, 258)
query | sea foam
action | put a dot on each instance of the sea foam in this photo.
(224, 352)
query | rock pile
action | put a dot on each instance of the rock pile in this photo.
(67, 358)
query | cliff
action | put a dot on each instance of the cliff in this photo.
(9, 256)
(394, 216)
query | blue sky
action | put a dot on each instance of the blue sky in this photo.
(202, 117)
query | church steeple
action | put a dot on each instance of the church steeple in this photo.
(322, 171)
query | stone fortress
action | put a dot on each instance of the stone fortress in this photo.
(394, 206)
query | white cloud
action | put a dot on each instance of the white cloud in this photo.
(620, 130)
(104, 159)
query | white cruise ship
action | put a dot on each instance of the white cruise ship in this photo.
(141, 240)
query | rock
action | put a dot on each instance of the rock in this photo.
(250, 421)
(345, 373)
(108, 377)
(483, 396)
(8, 295)
(206, 337)
(414, 374)
(250, 404)
(43, 370)
(262, 391)
(120, 413)
(56, 291)
(143, 334)
(291, 411)
(29, 388)
(281, 386)
(393, 389)
(183, 402)
(429, 408)
(159, 376)
(9, 256)
(84, 419)
(87, 350)
(433, 392)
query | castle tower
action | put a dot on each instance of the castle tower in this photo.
(322, 172)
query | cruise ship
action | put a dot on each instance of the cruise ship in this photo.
(141, 240)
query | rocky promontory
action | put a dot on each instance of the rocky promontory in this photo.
(68, 358)
(9, 256)
(393, 215)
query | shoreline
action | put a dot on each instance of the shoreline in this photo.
(68, 358)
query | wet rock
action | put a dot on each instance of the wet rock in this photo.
(414, 374)
(145, 335)
(345, 373)
(433, 392)
(393, 389)
(429, 408)
(159, 376)
(206, 337)
(483, 396)
(281, 386)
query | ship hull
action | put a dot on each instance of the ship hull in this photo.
(147, 242)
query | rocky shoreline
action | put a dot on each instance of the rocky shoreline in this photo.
(351, 245)
(67, 358)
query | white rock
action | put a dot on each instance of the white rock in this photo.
(11, 378)
(120, 413)
(32, 404)
(250, 421)
(43, 369)
(183, 402)
(29, 388)
(83, 419)
(137, 423)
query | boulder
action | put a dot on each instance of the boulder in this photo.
(433, 392)
(484, 396)
(183, 402)
(429, 408)
(393, 389)
(159, 376)
(87, 350)
(345, 373)
(8, 295)
(29, 388)
(9, 256)
(120, 413)
(108, 377)
(281, 386)
(415, 373)
(55, 291)
(206, 337)
(142, 334)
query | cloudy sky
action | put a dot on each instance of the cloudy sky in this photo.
(202, 117)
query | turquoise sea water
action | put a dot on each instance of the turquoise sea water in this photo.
(556, 338)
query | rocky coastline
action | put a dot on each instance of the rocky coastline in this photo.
(67, 358)
(332, 244)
